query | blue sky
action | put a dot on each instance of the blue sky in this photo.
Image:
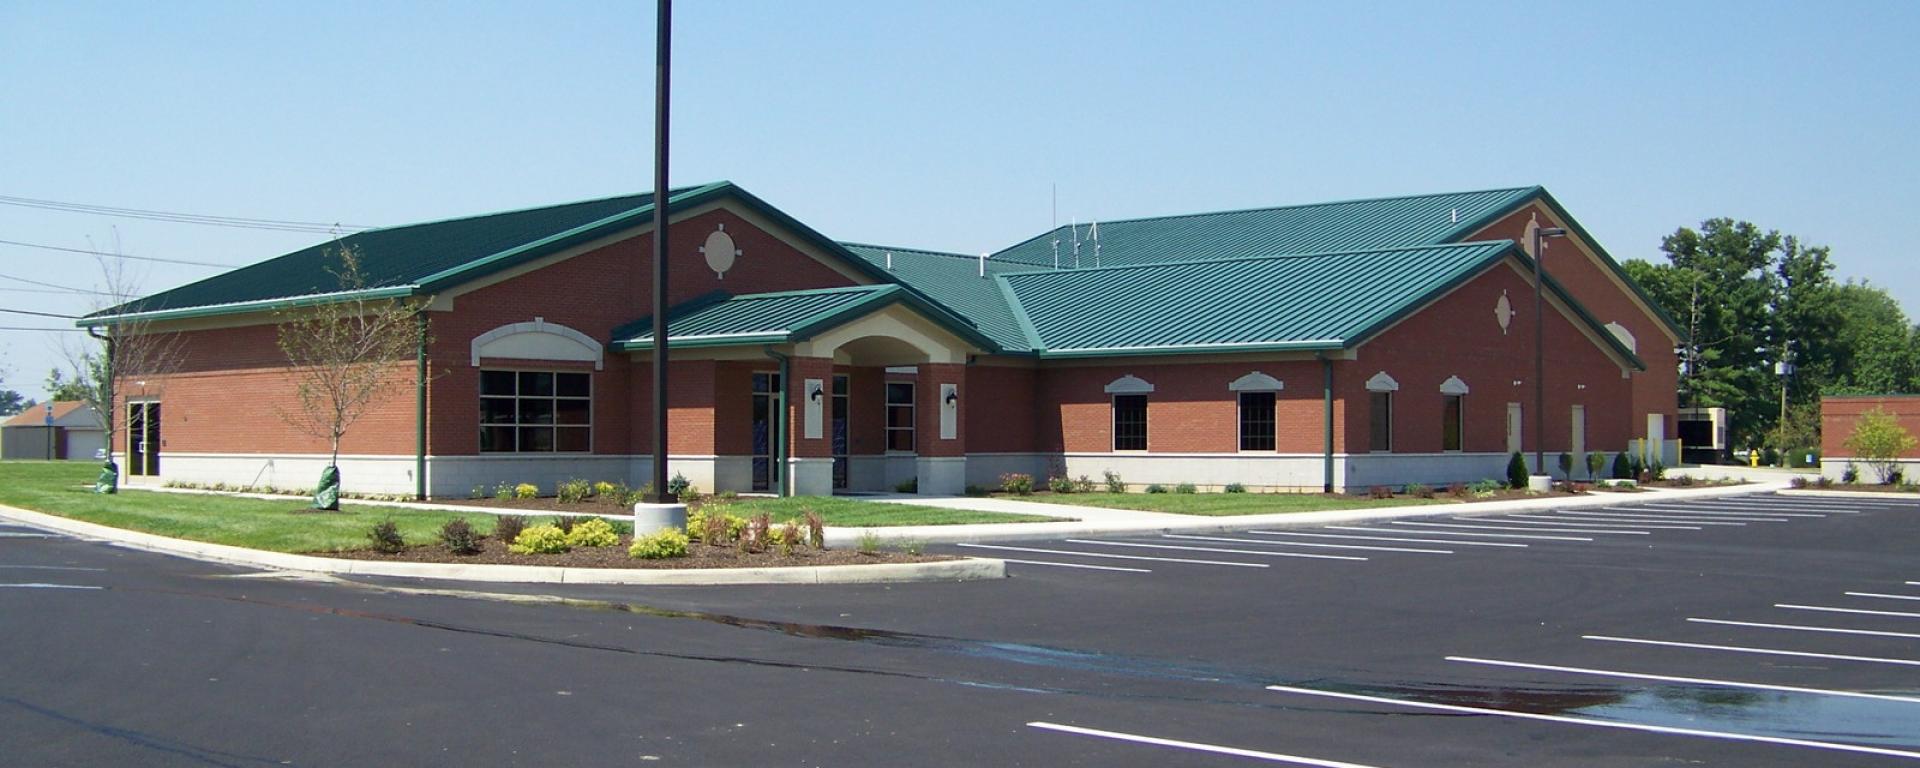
(941, 125)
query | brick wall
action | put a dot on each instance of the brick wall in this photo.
(1839, 414)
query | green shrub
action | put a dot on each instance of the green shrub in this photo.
(680, 486)
(1185, 488)
(1565, 461)
(593, 532)
(1156, 488)
(526, 491)
(912, 485)
(1880, 441)
(1235, 488)
(573, 491)
(1595, 462)
(460, 537)
(1850, 475)
(1419, 491)
(869, 543)
(790, 537)
(913, 547)
(508, 527)
(478, 492)
(1622, 467)
(1517, 471)
(659, 545)
(1114, 483)
(1017, 483)
(385, 537)
(539, 540)
(1486, 487)
(607, 490)
(503, 491)
(1060, 484)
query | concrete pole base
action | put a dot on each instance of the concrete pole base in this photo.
(1539, 483)
(648, 518)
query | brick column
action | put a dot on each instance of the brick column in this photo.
(940, 430)
(809, 426)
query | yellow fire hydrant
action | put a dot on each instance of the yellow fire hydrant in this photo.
(1753, 457)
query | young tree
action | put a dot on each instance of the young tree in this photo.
(1880, 441)
(60, 388)
(344, 355)
(131, 347)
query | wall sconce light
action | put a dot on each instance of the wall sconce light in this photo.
(953, 397)
(814, 395)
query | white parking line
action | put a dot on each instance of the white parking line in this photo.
(1655, 518)
(1604, 723)
(1827, 609)
(1596, 521)
(12, 535)
(1111, 556)
(1271, 542)
(1805, 628)
(1761, 651)
(1217, 550)
(1886, 597)
(52, 568)
(1696, 511)
(1459, 533)
(1505, 528)
(1078, 565)
(1689, 680)
(48, 586)
(1272, 757)
(1611, 527)
(1390, 538)
(1769, 509)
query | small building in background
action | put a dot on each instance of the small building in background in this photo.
(71, 430)
(1839, 414)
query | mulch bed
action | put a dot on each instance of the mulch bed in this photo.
(1861, 488)
(698, 556)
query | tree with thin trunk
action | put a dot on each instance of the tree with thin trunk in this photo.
(344, 354)
(131, 348)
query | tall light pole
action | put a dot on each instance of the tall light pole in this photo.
(1537, 251)
(663, 33)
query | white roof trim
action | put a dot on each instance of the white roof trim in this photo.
(1381, 382)
(1453, 386)
(1256, 381)
(1129, 385)
(538, 340)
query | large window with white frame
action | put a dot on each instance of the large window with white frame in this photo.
(536, 412)
(900, 416)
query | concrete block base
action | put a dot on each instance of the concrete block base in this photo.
(1539, 483)
(648, 518)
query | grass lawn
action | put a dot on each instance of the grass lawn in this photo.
(853, 513)
(1221, 504)
(64, 488)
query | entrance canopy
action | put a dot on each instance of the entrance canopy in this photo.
(876, 324)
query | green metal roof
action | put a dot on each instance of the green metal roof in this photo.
(1324, 301)
(720, 319)
(1351, 225)
(954, 280)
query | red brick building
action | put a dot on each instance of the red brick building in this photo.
(1839, 414)
(1359, 343)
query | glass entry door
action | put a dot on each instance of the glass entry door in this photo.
(840, 411)
(766, 425)
(143, 439)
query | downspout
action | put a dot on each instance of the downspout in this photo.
(1326, 434)
(780, 449)
(420, 409)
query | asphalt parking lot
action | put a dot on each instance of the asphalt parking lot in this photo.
(1762, 630)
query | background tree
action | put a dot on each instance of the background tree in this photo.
(12, 402)
(61, 388)
(344, 355)
(1874, 348)
(132, 349)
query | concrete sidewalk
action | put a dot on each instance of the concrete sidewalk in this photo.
(1103, 521)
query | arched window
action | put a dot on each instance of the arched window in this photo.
(1453, 414)
(1256, 392)
(1380, 391)
(1129, 395)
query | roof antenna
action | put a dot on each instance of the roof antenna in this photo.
(889, 261)
(1095, 232)
(1074, 227)
(1454, 218)
(983, 263)
(1053, 225)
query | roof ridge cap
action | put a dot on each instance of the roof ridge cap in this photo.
(671, 192)
(903, 249)
(1273, 257)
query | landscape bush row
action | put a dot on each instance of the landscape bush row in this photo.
(711, 525)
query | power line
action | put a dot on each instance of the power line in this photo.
(120, 255)
(67, 288)
(50, 330)
(39, 314)
(181, 218)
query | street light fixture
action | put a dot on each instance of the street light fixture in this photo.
(1537, 250)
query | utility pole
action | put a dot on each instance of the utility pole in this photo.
(663, 32)
(1540, 348)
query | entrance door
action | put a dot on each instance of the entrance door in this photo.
(143, 439)
(1513, 427)
(766, 425)
(840, 411)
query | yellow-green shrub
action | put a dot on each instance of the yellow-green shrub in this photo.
(526, 491)
(665, 543)
(594, 532)
(604, 489)
(539, 540)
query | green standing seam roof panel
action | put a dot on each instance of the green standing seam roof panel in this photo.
(1321, 301)
(954, 281)
(1350, 225)
(752, 318)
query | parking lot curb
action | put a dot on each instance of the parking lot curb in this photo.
(1838, 494)
(968, 569)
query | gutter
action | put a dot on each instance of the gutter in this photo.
(780, 429)
(285, 302)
